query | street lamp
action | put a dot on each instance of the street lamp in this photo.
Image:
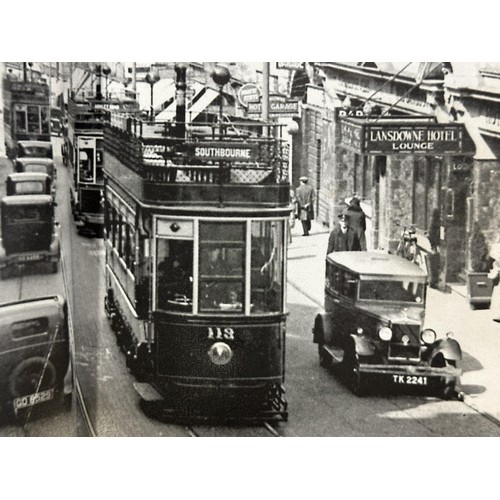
(152, 77)
(220, 76)
(106, 72)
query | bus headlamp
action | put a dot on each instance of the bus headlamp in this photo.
(385, 333)
(220, 353)
(428, 336)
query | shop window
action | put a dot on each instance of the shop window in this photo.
(34, 119)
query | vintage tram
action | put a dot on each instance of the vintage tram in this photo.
(195, 237)
(82, 152)
(26, 112)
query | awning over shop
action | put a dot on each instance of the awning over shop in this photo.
(169, 112)
(201, 104)
(163, 92)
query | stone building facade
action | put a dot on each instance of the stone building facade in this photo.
(399, 188)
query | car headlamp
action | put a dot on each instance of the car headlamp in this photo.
(385, 333)
(428, 336)
(220, 353)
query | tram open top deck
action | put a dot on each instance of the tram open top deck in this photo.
(229, 164)
(89, 112)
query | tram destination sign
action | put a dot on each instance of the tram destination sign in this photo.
(405, 138)
(219, 150)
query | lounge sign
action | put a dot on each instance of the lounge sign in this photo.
(432, 138)
(405, 138)
(220, 151)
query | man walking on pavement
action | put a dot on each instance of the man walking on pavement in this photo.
(343, 238)
(305, 200)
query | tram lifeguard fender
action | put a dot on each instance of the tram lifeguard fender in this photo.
(323, 328)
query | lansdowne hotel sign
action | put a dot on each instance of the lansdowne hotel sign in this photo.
(405, 137)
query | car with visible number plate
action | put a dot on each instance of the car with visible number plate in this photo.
(35, 354)
(372, 326)
(30, 233)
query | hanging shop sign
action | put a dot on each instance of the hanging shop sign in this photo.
(248, 92)
(406, 138)
(278, 106)
(219, 151)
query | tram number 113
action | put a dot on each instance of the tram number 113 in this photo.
(220, 333)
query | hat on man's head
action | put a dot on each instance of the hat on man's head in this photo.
(303, 178)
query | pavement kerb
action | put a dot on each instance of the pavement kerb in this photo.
(317, 247)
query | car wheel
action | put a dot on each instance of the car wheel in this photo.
(4, 273)
(54, 267)
(325, 360)
(25, 378)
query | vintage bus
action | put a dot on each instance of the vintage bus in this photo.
(83, 154)
(26, 112)
(195, 237)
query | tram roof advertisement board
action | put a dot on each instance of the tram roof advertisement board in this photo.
(219, 150)
(406, 138)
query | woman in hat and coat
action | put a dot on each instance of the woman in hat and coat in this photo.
(305, 203)
(343, 238)
(357, 221)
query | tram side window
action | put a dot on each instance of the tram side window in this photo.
(44, 114)
(174, 275)
(99, 161)
(33, 119)
(21, 119)
(267, 266)
(222, 266)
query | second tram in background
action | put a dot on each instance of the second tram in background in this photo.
(195, 236)
(26, 113)
(82, 152)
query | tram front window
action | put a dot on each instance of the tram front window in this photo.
(222, 266)
(267, 266)
(174, 277)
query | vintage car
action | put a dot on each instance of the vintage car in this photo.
(37, 165)
(35, 354)
(371, 328)
(30, 234)
(34, 149)
(28, 183)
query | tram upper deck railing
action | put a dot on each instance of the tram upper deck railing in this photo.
(90, 112)
(208, 153)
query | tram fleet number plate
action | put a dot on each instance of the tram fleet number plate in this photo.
(33, 399)
(409, 379)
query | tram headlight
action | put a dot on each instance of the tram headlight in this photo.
(220, 353)
(385, 333)
(428, 336)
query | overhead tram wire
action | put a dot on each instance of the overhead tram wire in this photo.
(392, 78)
(418, 82)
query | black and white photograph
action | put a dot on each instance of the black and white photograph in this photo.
(248, 249)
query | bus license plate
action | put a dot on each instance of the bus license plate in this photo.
(409, 380)
(33, 399)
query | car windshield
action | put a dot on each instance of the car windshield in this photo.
(37, 168)
(37, 152)
(29, 187)
(392, 291)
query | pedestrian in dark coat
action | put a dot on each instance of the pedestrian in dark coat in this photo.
(305, 203)
(343, 238)
(357, 221)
